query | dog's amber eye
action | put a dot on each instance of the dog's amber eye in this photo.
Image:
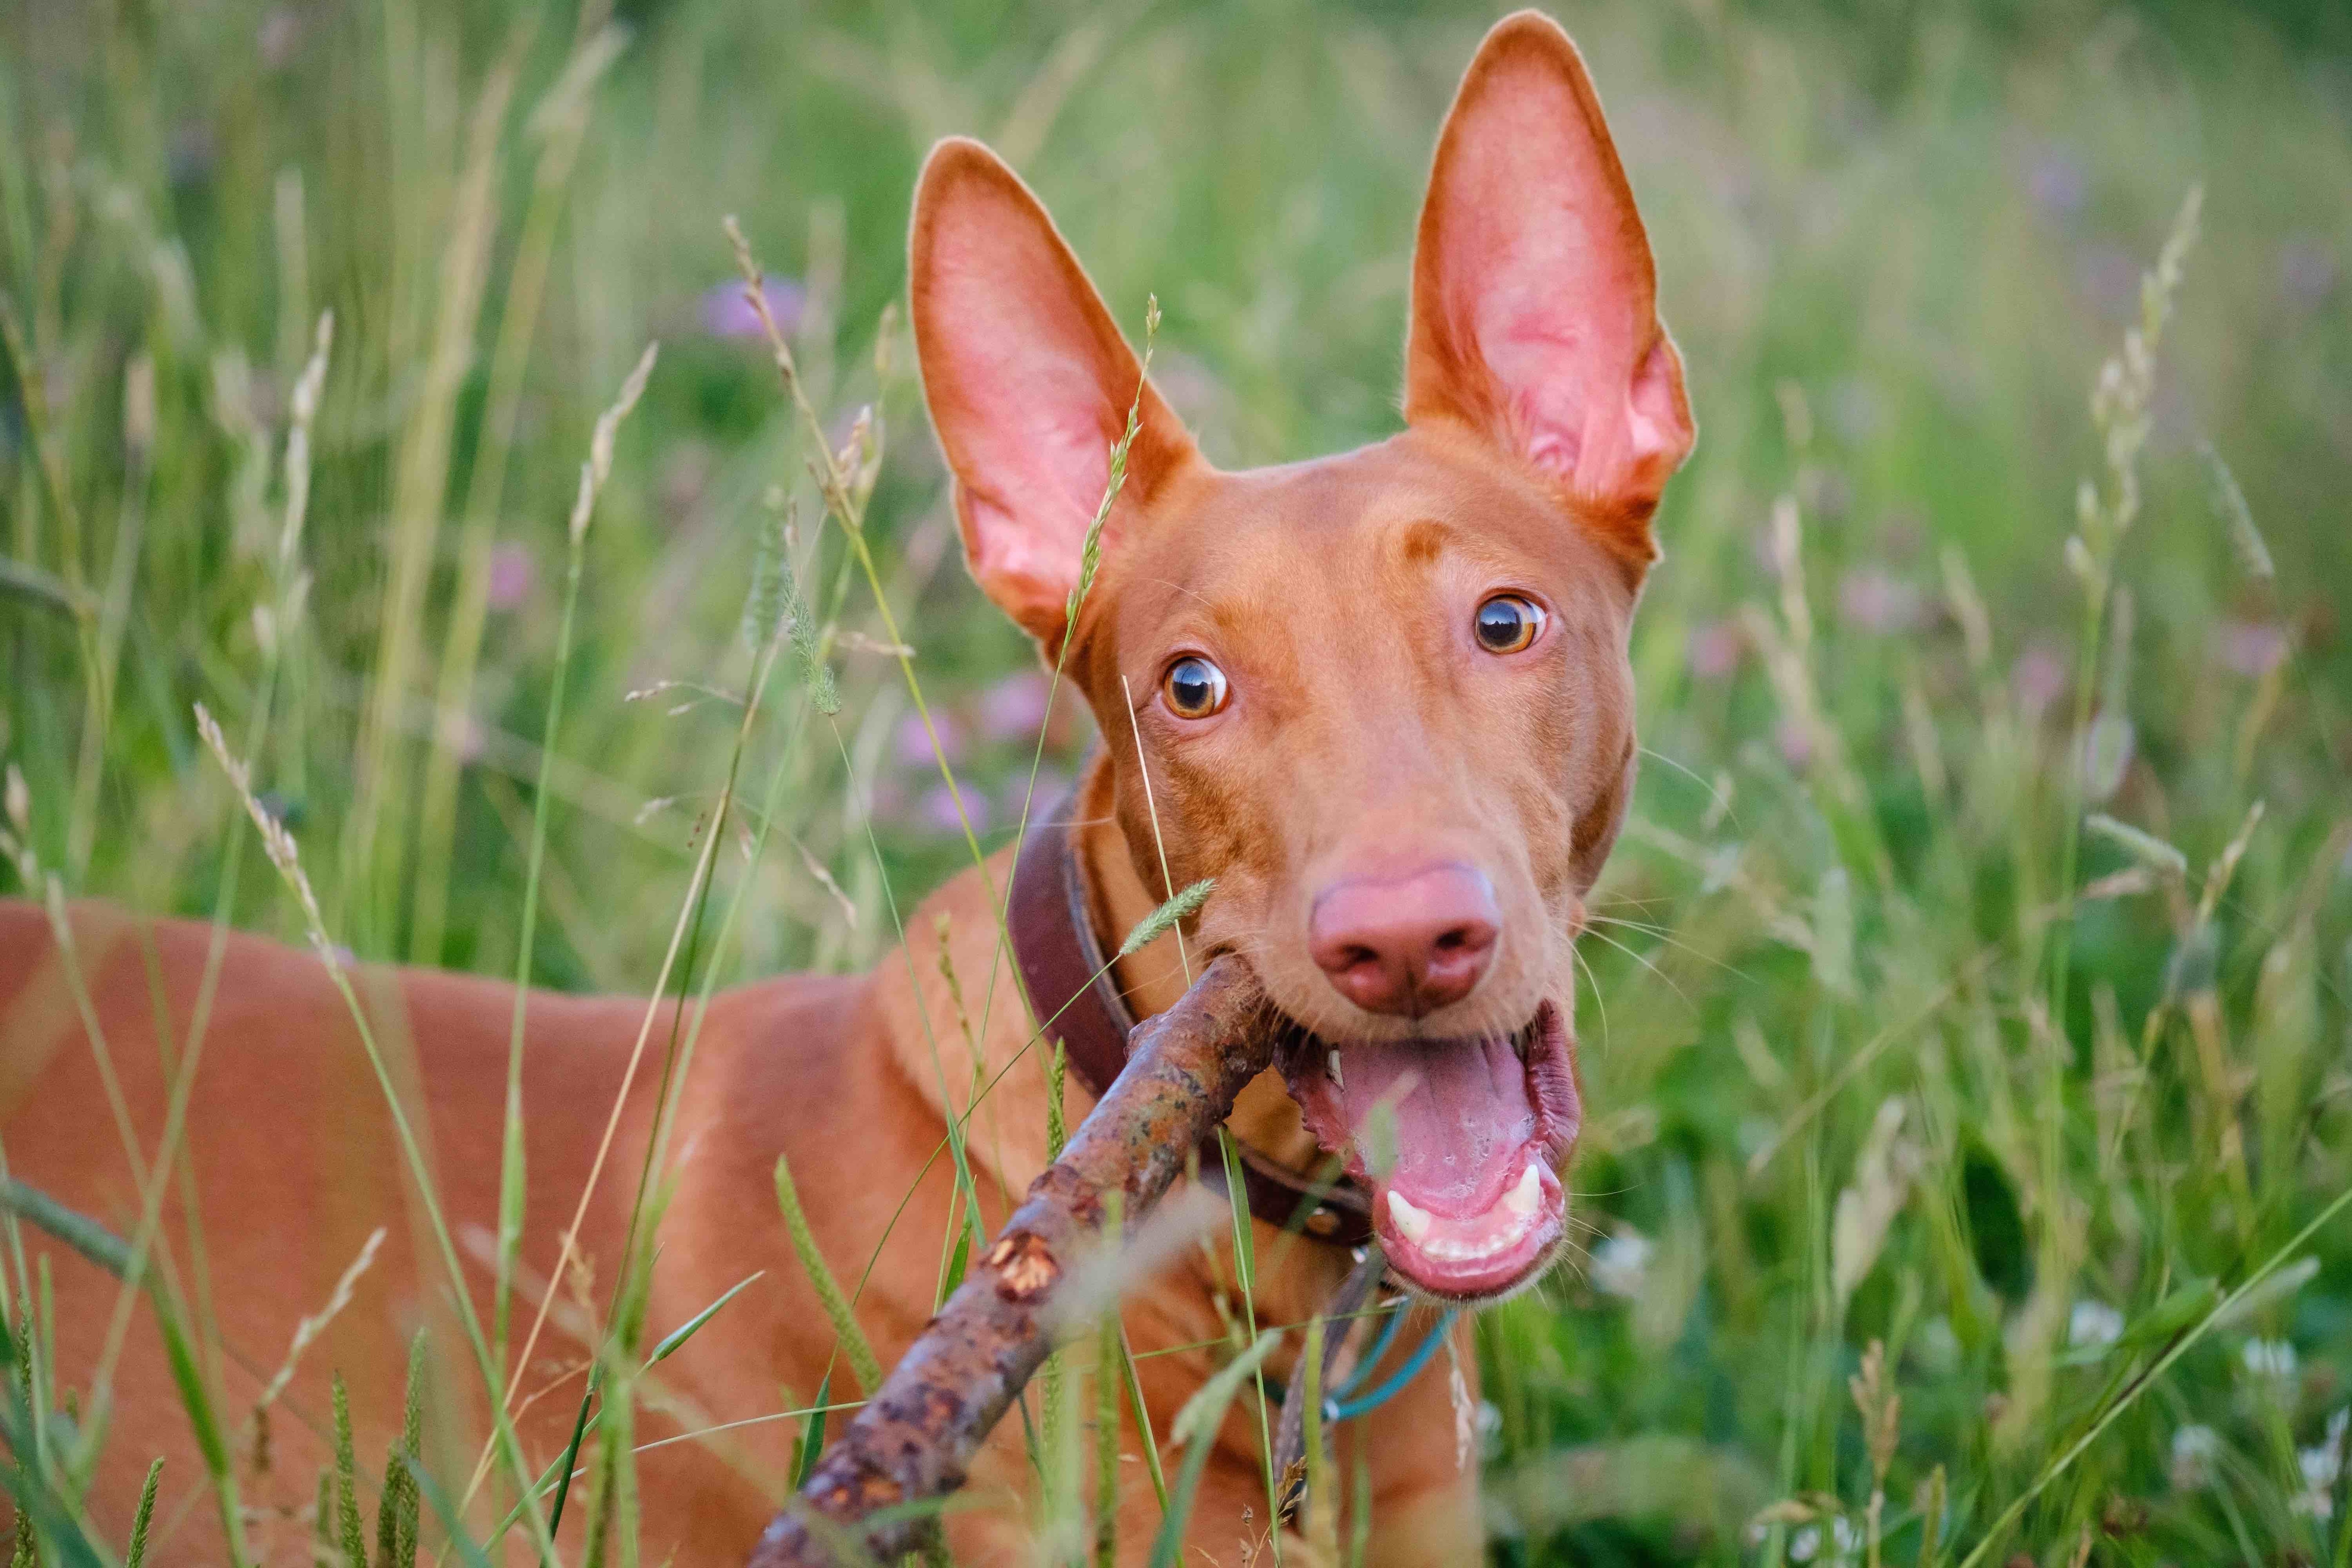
(1507, 623)
(1194, 687)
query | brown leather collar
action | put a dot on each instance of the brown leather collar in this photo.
(1073, 995)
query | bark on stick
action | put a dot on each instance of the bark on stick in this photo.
(914, 1438)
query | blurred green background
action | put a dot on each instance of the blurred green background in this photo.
(1896, 243)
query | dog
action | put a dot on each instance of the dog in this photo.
(1382, 699)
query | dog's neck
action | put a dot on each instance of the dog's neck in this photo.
(1265, 1117)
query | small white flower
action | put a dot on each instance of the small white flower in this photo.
(1845, 1536)
(1620, 1263)
(2093, 1325)
(2194, 1448)
(1806, 1544)
(2272, 1359)
(2321, 1467)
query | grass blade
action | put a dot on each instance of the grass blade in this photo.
(2140, 1384)
(189, 1378)
(452, 1527)
(959, 1261)
(809, 1444)
(1185, 904)
(511, 1160)
(1196, 1427)
(1322, 1499)
(1142, 1414)
(77, 1230)
(863, 1363)
(685, 1331)
(352, 1544)
(569, 1462)
(1058, 1129)
(136, 1552)
(403, 1503)
(2143, 847)
(1106, 1381)
(43, 590)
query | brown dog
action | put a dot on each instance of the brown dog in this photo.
(1381, 698)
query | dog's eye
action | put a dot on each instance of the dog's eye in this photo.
(1506, 623)
(1194, 687)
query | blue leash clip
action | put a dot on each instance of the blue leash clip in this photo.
(1342, 1403)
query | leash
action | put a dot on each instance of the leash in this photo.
(1341, 1401)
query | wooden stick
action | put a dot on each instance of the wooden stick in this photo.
(914, 1438)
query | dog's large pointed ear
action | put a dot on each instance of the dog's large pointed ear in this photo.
(1533, 298)
(1029, 384)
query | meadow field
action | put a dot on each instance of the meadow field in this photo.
(1968, 1043)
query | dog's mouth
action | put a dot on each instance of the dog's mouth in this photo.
(1460, 1141)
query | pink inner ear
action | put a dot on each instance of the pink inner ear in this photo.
(1028, 379)
(1015, 380)
(1543, 289)
(1575, 414)
(1017, 373)
(1553, 289)
(1037, 475)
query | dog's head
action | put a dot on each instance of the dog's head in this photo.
(1384, 698)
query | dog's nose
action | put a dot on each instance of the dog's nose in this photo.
(1409, 946)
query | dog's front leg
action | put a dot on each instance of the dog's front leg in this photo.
(1421, 1451)
(1435, 1523)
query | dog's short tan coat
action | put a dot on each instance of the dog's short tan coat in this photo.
(1544, 413)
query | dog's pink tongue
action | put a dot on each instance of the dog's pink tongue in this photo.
(1461, 1114)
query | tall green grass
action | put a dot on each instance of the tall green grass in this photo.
(1967, 1026)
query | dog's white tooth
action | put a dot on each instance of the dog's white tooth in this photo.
(1412, 1222)
(1332, 1061)
(1522, 1198)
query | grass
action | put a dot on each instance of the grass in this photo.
(1967, 1031)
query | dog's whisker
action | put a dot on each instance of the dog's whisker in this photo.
(1664, 979)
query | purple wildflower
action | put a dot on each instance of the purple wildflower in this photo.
(1014, 708)
(1714, 649)
(1052, 784)
(1872, 600)
(912, 745)
(936, 810)
(2249, 648)
(513, 574)
(2038, 678)
(727, 312)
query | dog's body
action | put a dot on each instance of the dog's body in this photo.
(1381, 698)
(286, 1125)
